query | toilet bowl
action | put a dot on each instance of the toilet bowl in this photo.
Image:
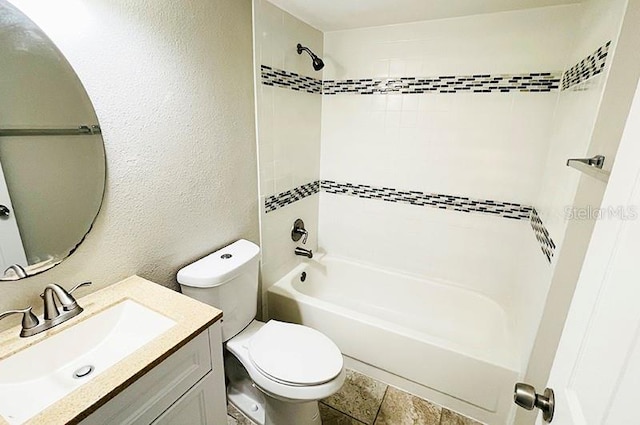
(276, 372)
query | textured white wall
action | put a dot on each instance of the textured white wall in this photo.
(172, 85)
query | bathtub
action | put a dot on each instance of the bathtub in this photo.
(432, 333)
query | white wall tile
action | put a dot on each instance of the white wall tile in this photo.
(509, 42)
(473, 250)
(278, 256)
(470, 145)
(479, 145)
(288, 134)
(529, 293)
(574, 121)
(491, 146)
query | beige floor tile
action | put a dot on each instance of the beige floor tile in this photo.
(400, 408)
(360, 397)
(237, 415)
(331, 416)
(453, 418)
(231, 420)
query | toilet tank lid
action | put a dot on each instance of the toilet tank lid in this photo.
(220, 266)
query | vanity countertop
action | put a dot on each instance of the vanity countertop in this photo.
(191, 317)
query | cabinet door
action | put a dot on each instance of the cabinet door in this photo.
(161, 387)
(193, 408)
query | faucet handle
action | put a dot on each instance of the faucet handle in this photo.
(78, 286)
(66, 300)
(298, 231)
(70, 291)
(29, 320)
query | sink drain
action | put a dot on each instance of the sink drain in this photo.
(83, 371)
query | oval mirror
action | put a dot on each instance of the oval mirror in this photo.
(52, 161)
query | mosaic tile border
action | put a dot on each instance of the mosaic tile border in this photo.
(534, 82)
(289, 80)
(450, 202)
(481, 83)
(273, 202)
(588, 67)
(435, 200)
(508, 210)
(547, 245)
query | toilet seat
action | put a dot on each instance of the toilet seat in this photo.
(294, 354)
(239, 347)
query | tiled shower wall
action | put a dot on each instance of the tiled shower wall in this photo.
(577, 119)
(466, 110)
(461, 125)
(577, 110)
(288, 127)
(457, 109)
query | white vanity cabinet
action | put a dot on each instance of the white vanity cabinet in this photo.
(187, 388)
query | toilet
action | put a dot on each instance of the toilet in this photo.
(275, 372)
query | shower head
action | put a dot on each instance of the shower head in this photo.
(317, 62)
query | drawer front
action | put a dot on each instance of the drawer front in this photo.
(145, 399)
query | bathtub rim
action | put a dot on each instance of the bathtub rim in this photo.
(284, 287)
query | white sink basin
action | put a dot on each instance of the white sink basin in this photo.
(38, 376)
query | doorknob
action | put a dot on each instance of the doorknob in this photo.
(525, 396)
(4, 211)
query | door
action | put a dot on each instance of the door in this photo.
(596, 371)
(11, 248)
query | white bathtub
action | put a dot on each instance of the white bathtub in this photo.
(435, 334)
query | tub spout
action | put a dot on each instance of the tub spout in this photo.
(304, 252)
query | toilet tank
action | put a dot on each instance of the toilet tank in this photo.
(226, 279)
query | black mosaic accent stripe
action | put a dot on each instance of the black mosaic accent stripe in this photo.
(509, 210)
(273, 202)
(588, 67)
(290, 80)
(434, 200)
(482, 83)
(547, 245)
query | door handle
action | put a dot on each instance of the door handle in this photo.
(524, 395)
(4, 212)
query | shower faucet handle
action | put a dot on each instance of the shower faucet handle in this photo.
(298, 231)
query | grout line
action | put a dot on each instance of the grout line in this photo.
(344, 413)
(381, 402)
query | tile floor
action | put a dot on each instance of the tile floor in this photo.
(365, 401)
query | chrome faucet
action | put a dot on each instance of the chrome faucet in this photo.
(70, 307)
(32, 325)
(303, 252)
(15, 271)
